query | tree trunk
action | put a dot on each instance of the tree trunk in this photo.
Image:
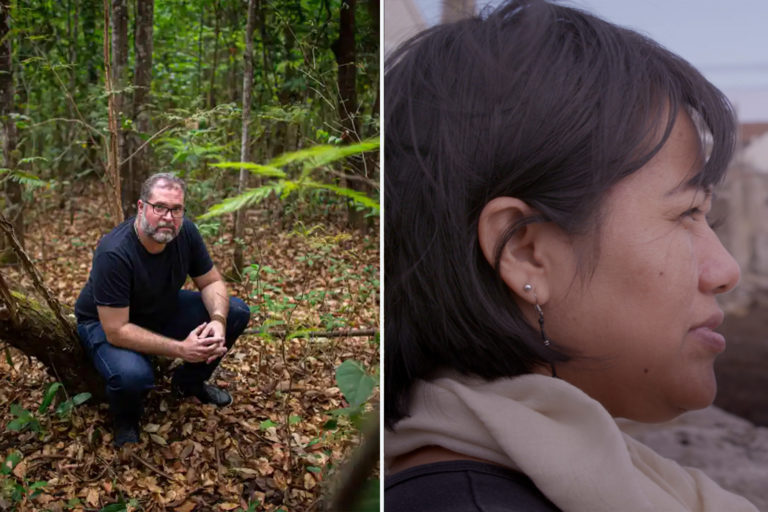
(142, 81)
(119, 25)
(71, 132)
(38, 334)
(264, 51)
(14, 205)
(112, 171)
(344, 49)
(244, 141)
(212, 82)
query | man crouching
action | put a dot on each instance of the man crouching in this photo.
(133, 307)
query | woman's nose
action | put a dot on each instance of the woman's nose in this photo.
(719, 272)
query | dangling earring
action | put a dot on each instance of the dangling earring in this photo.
(544, 337)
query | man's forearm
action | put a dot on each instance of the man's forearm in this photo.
(215, 299)
(133, 337)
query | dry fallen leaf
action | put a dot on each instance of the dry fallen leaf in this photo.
(92, 497)
(187, 506)
(20, 471)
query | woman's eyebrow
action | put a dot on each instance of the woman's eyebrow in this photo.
(688, 186)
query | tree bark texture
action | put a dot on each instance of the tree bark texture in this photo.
(139, 158)
(13, 198)
(212, 77)
(244, 140)
(38, 334)
(112, 172)
(119, 25)
(344, 49)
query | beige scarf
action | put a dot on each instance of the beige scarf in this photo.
(565, 441)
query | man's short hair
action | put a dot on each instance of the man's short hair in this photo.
(170, 181)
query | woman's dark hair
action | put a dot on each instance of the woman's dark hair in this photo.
(536, 101)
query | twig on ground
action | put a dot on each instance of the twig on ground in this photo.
(153, 468)
(346, 333)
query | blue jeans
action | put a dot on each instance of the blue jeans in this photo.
(129, 374)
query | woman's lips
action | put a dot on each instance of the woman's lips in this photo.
(708, 337)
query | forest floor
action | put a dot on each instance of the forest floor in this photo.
(273, 448)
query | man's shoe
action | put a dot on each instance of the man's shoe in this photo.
(207, 394)
(126, 431)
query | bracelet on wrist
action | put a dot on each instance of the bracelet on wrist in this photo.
(221, 318)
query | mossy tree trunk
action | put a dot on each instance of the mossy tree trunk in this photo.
(38, 333)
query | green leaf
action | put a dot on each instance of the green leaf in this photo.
(80, 398)
(115, 507)
(294, 419)
(314, 469)
(322, 154)
(25, 178)
(347, 411)
(50, 394)
(19, 411)
(249, 197)
(264, 425)
(64, 408)
(8, 357)
(358, 197)
(353, 381)
(260, 170)
(17, 425)
(37, 485)
(35, 489)
(31, 159)
(11, 460)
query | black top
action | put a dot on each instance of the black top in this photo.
(124, 274)
(463, 486)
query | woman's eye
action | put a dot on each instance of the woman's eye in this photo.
(697, 214)
(694, 213)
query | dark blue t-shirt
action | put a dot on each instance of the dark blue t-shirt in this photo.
(125, 274)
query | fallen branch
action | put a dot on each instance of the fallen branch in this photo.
(318, 334)
(37, 279)
(153, 468)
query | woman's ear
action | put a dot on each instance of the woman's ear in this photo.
(523, 260)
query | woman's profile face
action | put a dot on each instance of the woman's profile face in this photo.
(645, 318)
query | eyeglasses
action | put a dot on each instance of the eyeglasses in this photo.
(161, 210)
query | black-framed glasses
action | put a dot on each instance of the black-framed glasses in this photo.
(161, 210)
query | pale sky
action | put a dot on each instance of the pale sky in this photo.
(727, 40)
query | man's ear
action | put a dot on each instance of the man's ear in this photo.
(523, 258)
(139, 204)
